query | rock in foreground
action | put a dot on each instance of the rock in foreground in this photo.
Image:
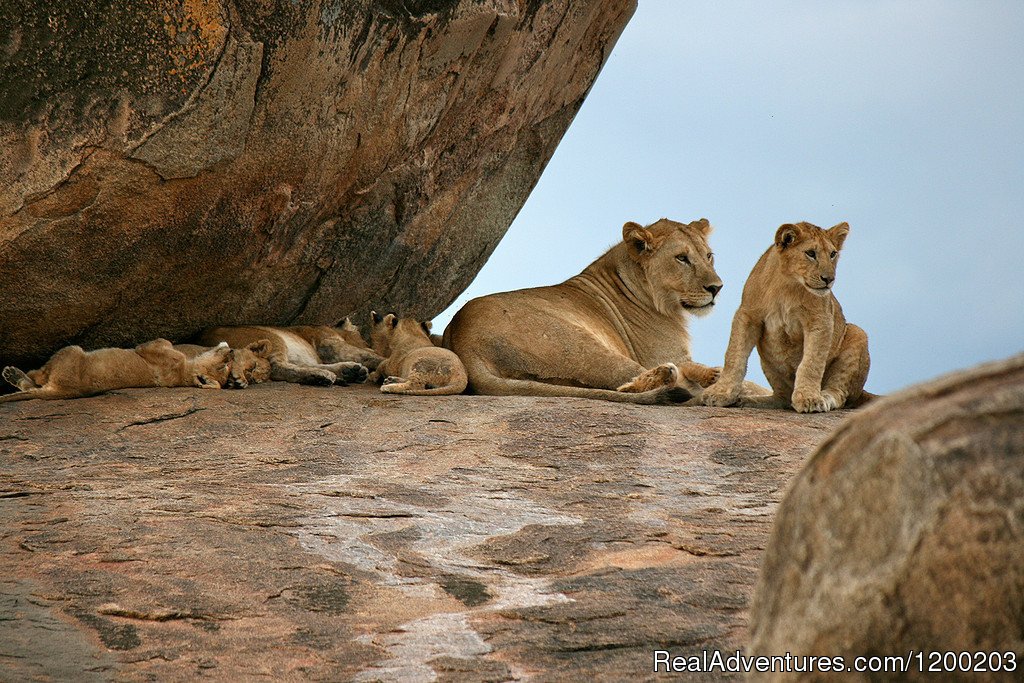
(905, 532)
(169, 166)
(339, 533)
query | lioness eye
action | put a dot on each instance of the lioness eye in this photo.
(810, 253)
(833, 254)
(682, 258)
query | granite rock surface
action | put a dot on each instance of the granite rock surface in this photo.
(341, 534)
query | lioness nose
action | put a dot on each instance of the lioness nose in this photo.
(714, 289)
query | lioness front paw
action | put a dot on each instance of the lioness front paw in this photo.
(812, 402)
(719, 395)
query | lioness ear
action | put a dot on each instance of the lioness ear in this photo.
(261, 347)
(703, 226)
(786, 235)
(837, 233)
(637, 237)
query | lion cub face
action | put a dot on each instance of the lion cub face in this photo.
(249, 365)
(809, 254)
(211, 368)
(677, 263)
(389, 331)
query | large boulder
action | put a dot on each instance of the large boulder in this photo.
(167, 166)
(905, 531)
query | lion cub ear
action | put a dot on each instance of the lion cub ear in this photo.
(786, 235)
(637, 238)
(426, 325)
(837, 233)
(390, 320)
(260, 348)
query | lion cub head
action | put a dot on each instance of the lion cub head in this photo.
(389, 331)
(249, 365)
(809, 254)
(677, 264)
(211, 368)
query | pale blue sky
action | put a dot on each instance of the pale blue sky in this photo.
(905, 119)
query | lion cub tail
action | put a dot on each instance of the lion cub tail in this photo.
(42, 392)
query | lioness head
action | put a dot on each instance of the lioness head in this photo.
(249, 365)
(809, 254)
(677, 264)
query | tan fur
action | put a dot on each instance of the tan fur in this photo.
(617, 331)
(248, 365)
(307, 354)
(814, 360)
(74, 373)
(412, 364)
(349, 332)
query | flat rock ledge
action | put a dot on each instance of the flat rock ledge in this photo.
(304, 533)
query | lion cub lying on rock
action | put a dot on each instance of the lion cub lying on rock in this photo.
(814, 360)
(74, 373)
(412, 364)
(248, 365)
(306, 354)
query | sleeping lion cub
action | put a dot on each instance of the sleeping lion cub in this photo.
(74, 373)
(306, 354)
(412, 364)
(814, 360)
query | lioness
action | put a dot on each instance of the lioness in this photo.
(307, 354)
(813, 359)
(74, 373)
(412, 364)
(248, 365)
(617, 331)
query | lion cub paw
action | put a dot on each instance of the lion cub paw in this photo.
(719, 396)
(392, 380)
(665, 375)
(352, 373)
(813, 402)
(318, 378)
(17, 378)
(702, 374)
(204, 382)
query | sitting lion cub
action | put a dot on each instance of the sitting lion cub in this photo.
(412, 364)
(813, 359)
(74, 373)
(306, 354)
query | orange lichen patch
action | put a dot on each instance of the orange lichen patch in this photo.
(197, 31)
(659, 555)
